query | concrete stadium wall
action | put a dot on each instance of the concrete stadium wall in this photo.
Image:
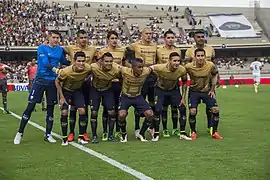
(263, 19)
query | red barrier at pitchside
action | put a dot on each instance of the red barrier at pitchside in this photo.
(227, 82)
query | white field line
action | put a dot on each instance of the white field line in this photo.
(100, 156)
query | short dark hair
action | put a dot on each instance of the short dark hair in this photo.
(54, 32)
(79, 54)
(112, 33)
(173, 54)
(106, 54)
(81, 32)
(136, 61)
(168, 32)
(199, 50)
(199, 32)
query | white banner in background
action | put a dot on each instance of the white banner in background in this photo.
(232, 25)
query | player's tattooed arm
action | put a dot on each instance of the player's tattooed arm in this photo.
(184, 88)
(58, 85)
(214, 79)
(129, 57)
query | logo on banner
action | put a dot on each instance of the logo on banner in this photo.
(234, 26)
(20, 87)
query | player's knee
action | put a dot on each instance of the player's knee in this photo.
(149, 114)
(72, 108)
(94, 115)
(122, 115)
(111, 113)
(64, 112)
(193, 111)
(215, 109)
(182, 109)
(4, 94)
(152, 103)
(81, 111)
(165, 108)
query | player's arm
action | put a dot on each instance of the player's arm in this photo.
(214, 78)
(261, 65)
(59, 84)
(184, 87)
(66, 49)
(63, 59)
(188, 56)
(43, 57)
(129, 56)
(251, 67)
(215, 63)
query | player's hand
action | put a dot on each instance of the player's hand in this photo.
(212, 94)
(62, 101)
(183, 102)
(218, 84)
(46, 43)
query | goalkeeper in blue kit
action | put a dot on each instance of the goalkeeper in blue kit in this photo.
(49, 58)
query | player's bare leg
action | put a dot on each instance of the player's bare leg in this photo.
(122, 114)
(215, 135)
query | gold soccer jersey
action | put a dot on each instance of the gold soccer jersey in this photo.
(201, 76)
(90, 52)
(163, 54)
(147, 53)
(167, 79)
(102, 80)
(118, 54)
(72, 80)
(209, 52)
(132, 85)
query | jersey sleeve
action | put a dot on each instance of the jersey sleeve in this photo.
(214, 70)
(43, 57)
(184, 75)
(67, 49)
(188, 53)
(63, 59)
(62, 75)
(213, 53)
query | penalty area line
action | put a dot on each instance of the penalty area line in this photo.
(91, 152)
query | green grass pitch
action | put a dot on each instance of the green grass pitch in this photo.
(244, 153)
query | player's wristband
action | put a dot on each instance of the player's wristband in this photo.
(56, 70)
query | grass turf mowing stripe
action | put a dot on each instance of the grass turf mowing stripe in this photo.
(114, 163)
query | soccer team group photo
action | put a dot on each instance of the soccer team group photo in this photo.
(153, 90)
